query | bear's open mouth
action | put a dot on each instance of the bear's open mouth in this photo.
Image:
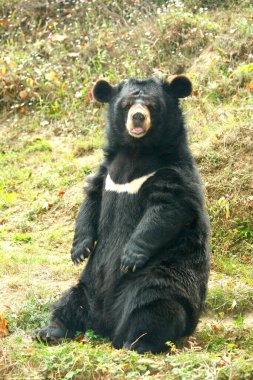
(138, 131)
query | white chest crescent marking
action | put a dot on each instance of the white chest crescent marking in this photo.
(130, 187)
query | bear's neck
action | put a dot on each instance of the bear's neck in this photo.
(128, 164)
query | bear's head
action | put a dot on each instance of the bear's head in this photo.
(143, 111)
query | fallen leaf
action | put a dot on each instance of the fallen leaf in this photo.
(47, 206)
(4, 22)
(215, 326)
(245, 258)
(88, 98)
(31, 351)
(3, 327)
(22, 110)
(82, 339)
(52, 77)
(213, 60)
(23, 94)
(61, 193)
(31, 82)
(250, 86)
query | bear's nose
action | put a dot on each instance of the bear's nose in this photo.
(138, 117)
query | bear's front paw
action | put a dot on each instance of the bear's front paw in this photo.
(81, 251)
(132, 260)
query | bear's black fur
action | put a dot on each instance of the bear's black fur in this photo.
(147, 240)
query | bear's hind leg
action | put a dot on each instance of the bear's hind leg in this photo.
(69, 315)
(150, 327)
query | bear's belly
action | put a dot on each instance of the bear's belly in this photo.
(120, 214)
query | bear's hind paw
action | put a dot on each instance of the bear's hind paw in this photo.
(51, 334)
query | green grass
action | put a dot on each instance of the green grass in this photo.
(51, 138)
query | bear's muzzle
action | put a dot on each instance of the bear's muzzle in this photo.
(138, 120)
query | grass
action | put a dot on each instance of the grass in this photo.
(51, 139)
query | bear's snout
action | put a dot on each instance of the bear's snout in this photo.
(138, 120)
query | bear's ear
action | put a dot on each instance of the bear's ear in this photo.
(102, 91)
(180, 86)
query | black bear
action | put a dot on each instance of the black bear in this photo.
(143, 226)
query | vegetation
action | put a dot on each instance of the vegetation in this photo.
(52, 52)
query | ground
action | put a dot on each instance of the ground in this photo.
(52, 137)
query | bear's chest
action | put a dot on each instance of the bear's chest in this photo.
(124, 199)
(122, 206)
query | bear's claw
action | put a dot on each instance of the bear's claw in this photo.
(81, 251)
(124, 269)
(132, 261)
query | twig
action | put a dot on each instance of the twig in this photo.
(137, 340)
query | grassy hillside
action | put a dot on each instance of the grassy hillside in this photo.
(51, 137)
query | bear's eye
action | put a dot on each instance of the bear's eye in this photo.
(126, 106)
(152, 107)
